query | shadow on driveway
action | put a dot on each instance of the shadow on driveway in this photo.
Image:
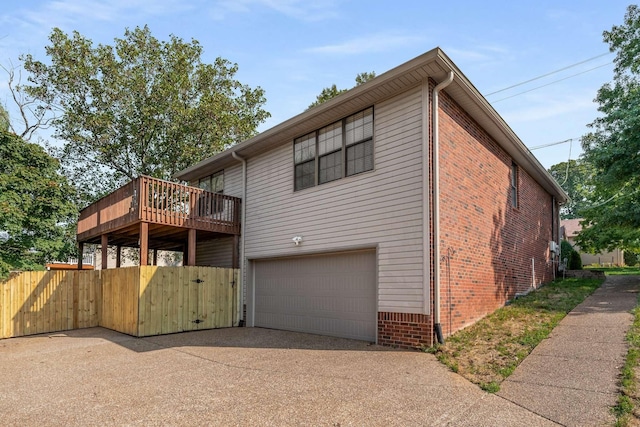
(236, 376)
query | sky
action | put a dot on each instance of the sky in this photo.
(295, 48)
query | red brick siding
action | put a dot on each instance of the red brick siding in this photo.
(406, 330)
(487, 244)
(491, 244)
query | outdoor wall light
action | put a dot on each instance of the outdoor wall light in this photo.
(297, 240)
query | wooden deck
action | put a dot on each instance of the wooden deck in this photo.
(168, 212)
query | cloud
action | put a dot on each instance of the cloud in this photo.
(371, 43)
(69, 13)
(303, 10)
(541, 108)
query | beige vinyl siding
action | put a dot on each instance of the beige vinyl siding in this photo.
(380, 208)
(233, 181)
(215, 253)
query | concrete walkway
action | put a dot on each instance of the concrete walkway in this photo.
(571, 378)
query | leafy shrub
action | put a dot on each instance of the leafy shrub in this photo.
(574, 262)
(630, 258)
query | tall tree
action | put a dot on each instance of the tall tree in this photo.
(139, 107)
(331, 92)
(575, 178)
(36, 209)
(613, 147)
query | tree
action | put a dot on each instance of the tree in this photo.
(33, 115)
(139, 107)
(613, 147)
(36, 209)
(574, 177)
(331, 92)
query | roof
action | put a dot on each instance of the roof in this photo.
(572, 227)
(434, 64)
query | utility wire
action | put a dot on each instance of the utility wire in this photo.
(566, 175)
(549, 74)
(553, 82)
(553, 143)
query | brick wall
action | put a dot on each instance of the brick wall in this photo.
(486, 243)
(407, 330)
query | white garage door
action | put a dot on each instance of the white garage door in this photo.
(325, 294)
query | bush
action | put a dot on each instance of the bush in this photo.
(630, 258)
(574, 262)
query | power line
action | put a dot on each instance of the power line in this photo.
(553, 143)
(549, 74)
(549, 84)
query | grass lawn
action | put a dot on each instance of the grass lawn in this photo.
(488, 352)
(617, 271)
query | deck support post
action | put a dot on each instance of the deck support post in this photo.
(118, 256)
(104, 241)
(155, 257)
(80, 252)
(236, 251)
(144, 243)
(191, 247)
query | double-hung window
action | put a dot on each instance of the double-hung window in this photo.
(340, 149)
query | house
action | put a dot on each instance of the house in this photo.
(398, 212)
(571, 228)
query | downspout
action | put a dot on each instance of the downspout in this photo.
(436, 205)
(243, 217)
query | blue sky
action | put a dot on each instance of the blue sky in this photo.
(294, 48)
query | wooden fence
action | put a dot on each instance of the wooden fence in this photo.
(36, 302)
(139, 301)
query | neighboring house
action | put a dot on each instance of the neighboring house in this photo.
(130, 257)
(351, 229)
(571, 228)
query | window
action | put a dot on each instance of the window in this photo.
(208, 205)
(343, 148)
(305, 161)
(514, 185)
(213, 183)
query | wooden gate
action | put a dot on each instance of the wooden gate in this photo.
(150, 300)
(139, 301)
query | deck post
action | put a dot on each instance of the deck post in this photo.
(80, 252)
(144, 243)
(118, 255)
(104, 241)
(191, 250)
(236, 251)
(155, 257)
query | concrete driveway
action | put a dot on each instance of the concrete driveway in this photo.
(239, 376)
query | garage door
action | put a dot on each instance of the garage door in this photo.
(326, 294)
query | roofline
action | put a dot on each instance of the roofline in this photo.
(510, 142)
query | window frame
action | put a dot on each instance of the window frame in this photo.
(209, 179)
(514, 185)
(343, 149)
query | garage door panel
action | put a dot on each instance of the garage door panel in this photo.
(329, 294)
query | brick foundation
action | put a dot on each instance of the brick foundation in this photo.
(404, 330)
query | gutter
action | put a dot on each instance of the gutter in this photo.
(436, 205)
(243, 217)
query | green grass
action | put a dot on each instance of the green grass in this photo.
(617, 271)
(628, 399)
(489, 351)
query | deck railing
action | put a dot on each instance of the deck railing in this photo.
(161, 202)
